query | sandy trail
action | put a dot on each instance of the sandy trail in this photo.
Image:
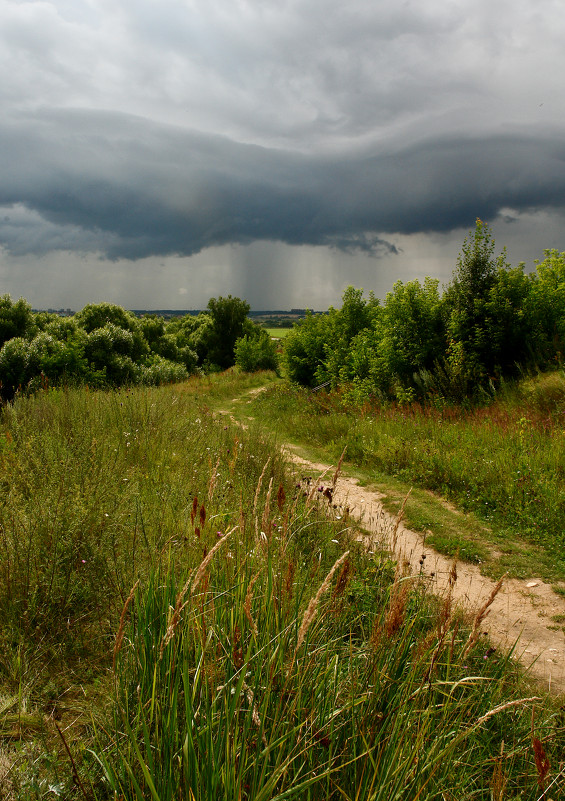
(521, 612)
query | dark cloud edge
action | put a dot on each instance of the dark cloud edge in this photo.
(138, 189)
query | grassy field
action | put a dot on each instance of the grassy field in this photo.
(278, 333)
(502, 466)
(180, 620)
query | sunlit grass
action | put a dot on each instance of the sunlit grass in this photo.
(278, 333)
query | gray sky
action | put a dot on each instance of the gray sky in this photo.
(155, 153)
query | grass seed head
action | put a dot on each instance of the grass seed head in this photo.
(121, 627)
(542, 763)
(480, 616)
(338, 470)
(194, 580)
(343, 579)
(396, 613)
(281, 497)
(312, 608)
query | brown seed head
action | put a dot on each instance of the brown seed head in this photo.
(542, 762)
(281, 497)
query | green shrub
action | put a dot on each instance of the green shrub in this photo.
(255, 352)
(14, 366)
(162, 371)
(57, 360)
(16, 319)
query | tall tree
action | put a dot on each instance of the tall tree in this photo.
(471, 358)
(546, 308)
(229, 323)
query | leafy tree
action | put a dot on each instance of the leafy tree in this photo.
(44, 319)
(98, 315)
(508, 326)
(111, 349)
(57, 360)
(364, 373)
(411, 331)
(355, 315)
(470, 356)
(545, 308)
(182, 328)
(228, 323)
(194, 334)
(318, 346)
(305, 350)
(14, 366)
(153, 329)
(62, 328)
(16, 319)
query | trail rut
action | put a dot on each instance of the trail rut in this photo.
(520, 615)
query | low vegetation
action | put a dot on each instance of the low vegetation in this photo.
(182, 620)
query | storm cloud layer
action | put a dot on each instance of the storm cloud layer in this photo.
(131, 189)
(136, 130)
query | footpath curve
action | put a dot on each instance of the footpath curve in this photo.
(521, 615)
(522, 611)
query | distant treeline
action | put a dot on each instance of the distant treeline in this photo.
(491, 322)
(105, 345)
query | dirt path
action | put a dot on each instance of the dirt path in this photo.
(521, 612)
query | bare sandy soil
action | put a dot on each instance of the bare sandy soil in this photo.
(521, 613)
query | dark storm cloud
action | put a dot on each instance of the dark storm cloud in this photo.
(129, 188)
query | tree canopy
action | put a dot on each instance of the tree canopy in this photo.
(490, 322)
(105, 345)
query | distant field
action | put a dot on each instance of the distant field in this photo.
(277, 333)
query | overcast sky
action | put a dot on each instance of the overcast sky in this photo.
(156, 153)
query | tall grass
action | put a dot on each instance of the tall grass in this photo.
(268, 685)
(93, 485)
(230, 640)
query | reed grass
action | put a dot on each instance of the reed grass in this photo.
(226, 713)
